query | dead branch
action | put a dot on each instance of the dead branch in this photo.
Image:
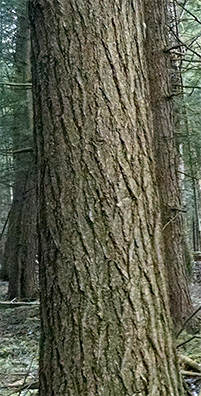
(190, 373)
(8, 304)
(185, 45)
(13, 84)
(25, 378)
(27, 385)
(170, 221)
(23, 150)
(188, 12)
(187, 320)
(186, 342)
(190, 363)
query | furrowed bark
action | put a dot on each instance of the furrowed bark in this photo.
(104, 308)
(167, 159)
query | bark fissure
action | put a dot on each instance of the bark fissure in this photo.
(105, 318)
(166, 153)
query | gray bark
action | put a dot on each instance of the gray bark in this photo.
(104, 307)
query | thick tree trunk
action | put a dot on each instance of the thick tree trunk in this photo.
(166, 154)
(21, 245)
(105, 318)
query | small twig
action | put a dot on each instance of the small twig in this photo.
(23, 150)
(13, 300)
(32, 385)
(190, 86)
(185, 45)
(171, 220)
(187, 320)
(189, 12)
(185, 342)
(28, 371)
(187, 175)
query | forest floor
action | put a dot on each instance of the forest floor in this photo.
(191, 347)
(19, 343)
(19, 340)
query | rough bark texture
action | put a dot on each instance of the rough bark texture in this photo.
(105, 318)
(167, 159)
(21, 245)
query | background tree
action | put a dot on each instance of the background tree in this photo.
(167, 160)
(187, 53)
(7, 37)
(104, 309)
(21, 245)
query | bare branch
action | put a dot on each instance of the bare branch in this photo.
(190, 363)
(187, 341)
(187, 320)
(23, 150)
(185, 45)
(171, 220)
(188, 12)
(190, 373)
(8, 304)
(16, 85)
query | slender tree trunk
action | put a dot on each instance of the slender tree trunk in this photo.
(21, 246)
(166, 154)
(29, 248)
(105, 318)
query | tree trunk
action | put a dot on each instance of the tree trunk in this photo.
(104, 310)
(21, 245)
(29, 247)
(166, 153)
